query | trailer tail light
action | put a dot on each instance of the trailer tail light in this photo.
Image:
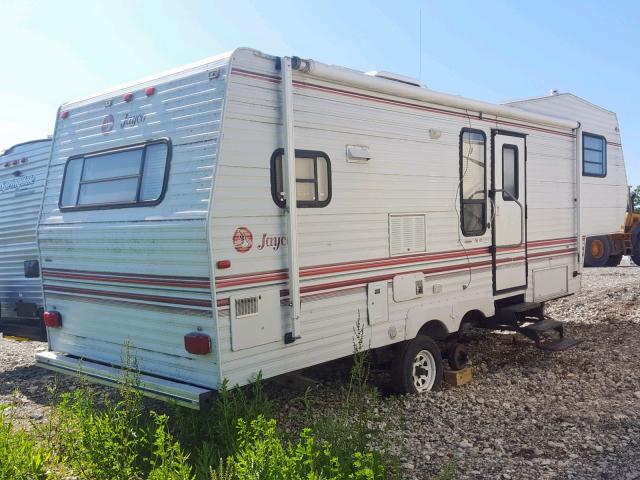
(149, 91)
(64, 114)
(222, 264)
(127, 97)
(52, 319)
(197, 343)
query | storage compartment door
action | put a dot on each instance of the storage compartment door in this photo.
(378, 302)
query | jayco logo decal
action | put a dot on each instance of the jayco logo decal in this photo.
(242, 239)
(272, 241)
(131, 120)
(17, 183)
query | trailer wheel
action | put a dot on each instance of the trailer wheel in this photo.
(614, 260)
(417, 366)
(597, 252)
(457, 356)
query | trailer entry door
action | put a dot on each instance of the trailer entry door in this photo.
(509, 211)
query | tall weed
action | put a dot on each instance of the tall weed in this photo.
(21, 458)
(355, 427)
(212, 435)
(262, 455)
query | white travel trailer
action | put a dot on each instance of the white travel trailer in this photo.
(22, 175)
(165, 224)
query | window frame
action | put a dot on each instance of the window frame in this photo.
(106, 151)
(516, 172)
(474, 233)
(299, 153)
(604, 155)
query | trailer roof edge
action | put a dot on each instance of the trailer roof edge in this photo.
(356, 78)
(110, 92)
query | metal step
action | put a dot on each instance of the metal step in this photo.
(559, 344)
(521, 307)
(543, 325)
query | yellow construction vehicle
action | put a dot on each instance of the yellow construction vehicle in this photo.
(607, 250)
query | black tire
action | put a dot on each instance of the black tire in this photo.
(597, 251)
(614, 260)
(457, 356)
(403, 368)
(635, 253)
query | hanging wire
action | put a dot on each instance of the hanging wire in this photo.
(457, 200)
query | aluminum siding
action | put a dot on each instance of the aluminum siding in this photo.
(409, 172)
(604, 200)
(19, 211)
(139, 276)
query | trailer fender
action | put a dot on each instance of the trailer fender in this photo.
(433, 322)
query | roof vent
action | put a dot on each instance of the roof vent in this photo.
(553, 92)
(395, 77)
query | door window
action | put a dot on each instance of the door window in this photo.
(510, 182)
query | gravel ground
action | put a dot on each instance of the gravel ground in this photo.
(527, 414)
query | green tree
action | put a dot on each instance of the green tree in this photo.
(636, 199)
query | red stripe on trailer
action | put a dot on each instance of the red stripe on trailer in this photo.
(347, 267)
(259, 277)
(114, 279)
(430, 271)
(133, 296)
(132, 275)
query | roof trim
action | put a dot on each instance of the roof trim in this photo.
(8, 150)
(547, 97)
(105, 94)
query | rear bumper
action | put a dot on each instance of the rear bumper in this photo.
(181, 393)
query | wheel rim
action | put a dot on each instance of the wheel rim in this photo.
(597, 248)
(424, 371)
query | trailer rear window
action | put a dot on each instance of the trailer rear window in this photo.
(313, 179)
(594, 155)
(473, 187)
(128, 176)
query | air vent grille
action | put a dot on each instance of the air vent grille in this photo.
(407, 234)
(245, 307)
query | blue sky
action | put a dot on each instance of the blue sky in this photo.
(54, 51)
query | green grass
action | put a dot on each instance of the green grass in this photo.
(94, 436)
(21, 457)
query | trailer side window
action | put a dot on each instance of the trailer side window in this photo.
(313, 178)
(594, 155)
(126, 176)
(473, 188)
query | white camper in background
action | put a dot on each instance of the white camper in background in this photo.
(22, 174)
(166, 223)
